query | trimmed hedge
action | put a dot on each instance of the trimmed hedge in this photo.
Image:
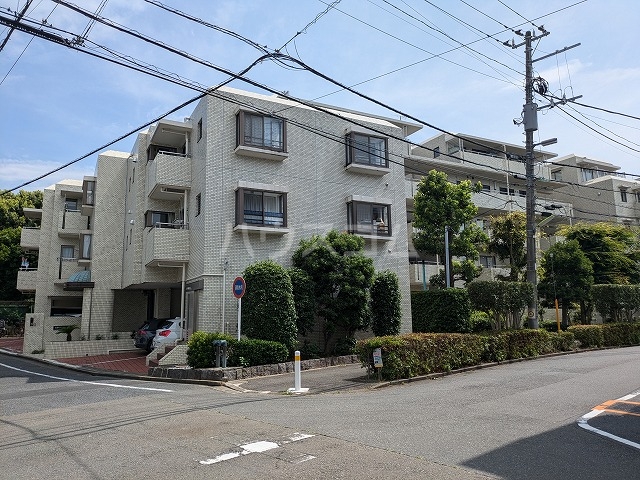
(414, 354)
(446, 310)
(245, 352)
(607, 335)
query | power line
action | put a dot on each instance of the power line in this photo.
(314, 106)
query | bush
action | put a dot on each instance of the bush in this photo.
(616, 303)
(268, 307)
(588, 335)
(407, 356)
(385, 304)
(480, 322)
(441, 311)
(250, 351)
(244, 352)
(414, 354)
(304, 300)
(200, 351)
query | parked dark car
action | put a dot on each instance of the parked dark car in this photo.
(143, 336)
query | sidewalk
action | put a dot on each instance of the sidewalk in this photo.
(133, 363)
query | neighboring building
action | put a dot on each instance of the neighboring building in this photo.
(163, 231)
(598, 192)
(499, 166)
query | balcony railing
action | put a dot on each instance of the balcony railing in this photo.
(27, 280)
(168, 175)
(30, 238)
(168, 246)
(70, 223)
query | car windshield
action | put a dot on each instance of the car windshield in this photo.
(165, 324)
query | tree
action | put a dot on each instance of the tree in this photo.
(385, 304)
(567, 274)
(439, 204)
(11, 220)
(614, 251)
(509, 240)
(268, 311)
(342, 276)
(304, 299)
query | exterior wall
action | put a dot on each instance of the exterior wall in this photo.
(314, 176)
(53, 273)
(599, 199)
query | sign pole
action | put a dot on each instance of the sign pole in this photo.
(239, 287)
(239, 316)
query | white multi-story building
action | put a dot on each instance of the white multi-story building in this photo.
(162, 231)
(597, 190)
(500, 168)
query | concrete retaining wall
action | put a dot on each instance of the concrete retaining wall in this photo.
(237, 373)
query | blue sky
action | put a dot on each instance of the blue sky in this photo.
(57, 104)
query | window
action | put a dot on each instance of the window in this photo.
(637, 196)
(556, 175)
(86, 247)
(88, 189)
(623, 195)
(71, 204)
(436, 152)
(486, 188)
(199, 130)
(255, 130)
(590, 174)
(261, 208)
(198, 204)
(159, 219)
(522, 193)
(503, 191)
(67, 252)
(487, 261)
(369, 218)
(367, 150)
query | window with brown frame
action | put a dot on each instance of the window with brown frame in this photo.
(261, 208)
(260, 131)
(367, 150)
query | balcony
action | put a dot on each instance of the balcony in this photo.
(27, 280)
(168, 176)
(166, 246)
(66, 268)
(70, 224)
(30, 238)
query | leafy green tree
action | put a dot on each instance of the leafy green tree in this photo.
(11, 220)
(342, 276)
(304, 298)
(567, 274)
(268, 309)
(386, 313)
(614, 251)
(439, 203)
(465, 271)
(509, 240)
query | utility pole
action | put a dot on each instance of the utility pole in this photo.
(530, 125)
(530, 121)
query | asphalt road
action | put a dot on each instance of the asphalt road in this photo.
(517, 421)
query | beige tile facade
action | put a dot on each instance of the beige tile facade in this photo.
(147, 235)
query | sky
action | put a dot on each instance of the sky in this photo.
(439, 61)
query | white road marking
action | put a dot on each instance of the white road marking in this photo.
(114, 385)
(259, 447)
(584, 423)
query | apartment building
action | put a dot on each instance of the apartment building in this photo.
(500, 168)
(162, 231)
(598, 191)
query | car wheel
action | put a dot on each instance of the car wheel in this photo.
(149, 347)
